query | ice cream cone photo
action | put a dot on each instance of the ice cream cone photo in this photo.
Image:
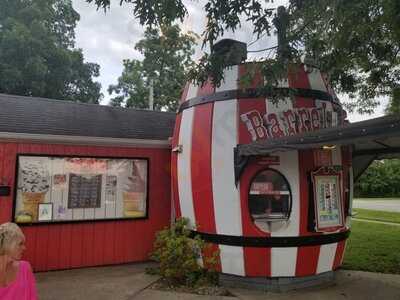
(33, 184)
(134, 195)
(133, 204)
(31, 203)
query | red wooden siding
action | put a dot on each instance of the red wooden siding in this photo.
(73, 245)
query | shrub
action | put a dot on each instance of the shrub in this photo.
(178, 255)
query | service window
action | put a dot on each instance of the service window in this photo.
(56, 189)
(270, 198)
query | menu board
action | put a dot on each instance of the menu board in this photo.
(80, 188)
(84, 191)
(328, 204)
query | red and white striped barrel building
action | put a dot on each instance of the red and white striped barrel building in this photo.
(211, 122)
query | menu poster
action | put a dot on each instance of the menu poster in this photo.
(84, 191)
(327, 196)
(111, 188)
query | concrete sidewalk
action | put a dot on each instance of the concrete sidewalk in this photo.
(127, 282)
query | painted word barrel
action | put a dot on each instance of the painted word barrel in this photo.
(286, 214)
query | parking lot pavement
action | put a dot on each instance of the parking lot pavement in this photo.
(126, 282)
(383, 205)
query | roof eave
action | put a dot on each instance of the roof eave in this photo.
(83, 140)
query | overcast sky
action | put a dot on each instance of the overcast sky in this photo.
(108, 38)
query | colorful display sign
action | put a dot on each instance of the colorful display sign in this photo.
(328, 200)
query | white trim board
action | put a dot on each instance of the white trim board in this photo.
(82, 140)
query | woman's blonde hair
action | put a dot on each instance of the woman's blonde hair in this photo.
(10, 235)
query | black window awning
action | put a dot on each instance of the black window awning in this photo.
(372, 139)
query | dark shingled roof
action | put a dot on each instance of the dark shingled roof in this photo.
(54, 117)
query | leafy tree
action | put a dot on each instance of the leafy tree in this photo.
(37, 54)
(381, 179)
(394, 105)
(167, 55)
(356, 42)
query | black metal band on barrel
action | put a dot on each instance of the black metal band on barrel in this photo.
(279, 242)
(257, 93)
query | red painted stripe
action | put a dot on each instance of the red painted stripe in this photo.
(76, 246)
(4, 216)
(201, 168)
(257, 261)
(53, 257)
(30, 242)
(339, 255)
(322, 157)
(298, 78)
(65, 242)
(41, 251)
(203, 202)
(206, 89)
(174, 167)
(119, 242)
(251, 112)
(109, 232)
(246, 106)
(129, 255)
(307, 257)
(8, 170)
(307, 260)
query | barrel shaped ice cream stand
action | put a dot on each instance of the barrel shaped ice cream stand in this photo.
(281, 214)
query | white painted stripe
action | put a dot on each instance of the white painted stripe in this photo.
(326, 258)
(192, 91)
(226, 195)
(184, 166)
(316, 81)
(283, 105)
(232, 260)
(328, 108)
(289, 168)
(282, 83)
(230, 81)
(283, 262)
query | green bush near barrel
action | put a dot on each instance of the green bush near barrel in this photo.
(178, 255)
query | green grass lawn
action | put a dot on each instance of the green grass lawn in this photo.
(376, 215)
(373, 247)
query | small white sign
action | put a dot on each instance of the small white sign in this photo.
(45, 212)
